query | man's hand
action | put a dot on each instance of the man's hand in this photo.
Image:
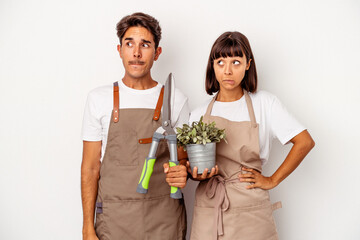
(90, 236)
(204, 175)
(175, 176)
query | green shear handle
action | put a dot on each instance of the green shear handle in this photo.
(148, 168)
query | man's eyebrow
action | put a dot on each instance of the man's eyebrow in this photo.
(145, 41)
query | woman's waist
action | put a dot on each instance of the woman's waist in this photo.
(229, 192)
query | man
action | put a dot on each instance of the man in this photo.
(118, 122)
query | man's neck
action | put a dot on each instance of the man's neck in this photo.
(139, 83)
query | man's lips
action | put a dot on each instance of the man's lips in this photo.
(136, 63)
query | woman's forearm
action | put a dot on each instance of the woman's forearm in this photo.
(303, 143)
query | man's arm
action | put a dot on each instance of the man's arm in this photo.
(90, 171)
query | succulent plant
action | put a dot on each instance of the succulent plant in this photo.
(199, 133)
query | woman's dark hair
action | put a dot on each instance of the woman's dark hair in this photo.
(231, 44)
(139, 19)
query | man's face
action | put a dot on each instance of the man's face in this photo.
(137, 52)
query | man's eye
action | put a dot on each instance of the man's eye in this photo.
(145, 45)
(220, 63)
(129, 44)
(236, 62)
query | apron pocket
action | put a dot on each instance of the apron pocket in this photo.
(203, 221)
(123, 148)
(255, 221)
(123, 219)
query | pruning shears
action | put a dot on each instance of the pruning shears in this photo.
(165, 131)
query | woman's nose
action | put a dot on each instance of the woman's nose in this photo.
(228, 69)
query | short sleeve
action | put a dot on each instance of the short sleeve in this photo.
(91, 129)
(283, 125)
(183, 115)
(196, 114)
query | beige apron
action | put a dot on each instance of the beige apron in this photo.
(121, 212)
(224, 208)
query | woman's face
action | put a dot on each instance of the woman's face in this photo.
(230, 71)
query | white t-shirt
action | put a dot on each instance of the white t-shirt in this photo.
(100, 102)
(273, 119)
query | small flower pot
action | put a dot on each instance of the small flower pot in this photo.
(201, 156)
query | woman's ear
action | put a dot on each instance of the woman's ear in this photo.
(248, 64)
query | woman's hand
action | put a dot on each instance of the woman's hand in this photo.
(195, 176)
(257, 179)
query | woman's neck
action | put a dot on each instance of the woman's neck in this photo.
(229, 96)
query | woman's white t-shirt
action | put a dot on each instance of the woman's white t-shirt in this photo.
(273, 119)
(99, 106)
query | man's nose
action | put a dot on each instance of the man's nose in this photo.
(137, 52)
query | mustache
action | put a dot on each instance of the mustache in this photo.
(137, 62)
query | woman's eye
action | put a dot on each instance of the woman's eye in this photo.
(220, 63)
(236, 62)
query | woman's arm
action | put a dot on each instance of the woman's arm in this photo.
(303, 143)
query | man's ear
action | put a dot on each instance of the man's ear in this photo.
(157, 53)
(119, 50)
(248, 64)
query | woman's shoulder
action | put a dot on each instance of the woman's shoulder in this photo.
(199, 111)
(262, 97)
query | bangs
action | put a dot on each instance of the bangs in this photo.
(227, 47)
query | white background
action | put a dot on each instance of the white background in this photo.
(52, 53)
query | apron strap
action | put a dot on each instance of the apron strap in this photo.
(276, 206)
(215, 189)
(248, 104)
(116, 103)
(145, 140)
(210, 106)
(159, 105)
(250, 109)
(156, 115)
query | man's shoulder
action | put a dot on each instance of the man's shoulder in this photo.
(102, 91)
(180, 95)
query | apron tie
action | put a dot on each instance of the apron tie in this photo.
(215, 188)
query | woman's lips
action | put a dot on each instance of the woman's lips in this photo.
(229, 81)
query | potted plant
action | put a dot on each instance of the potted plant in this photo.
(199, 140)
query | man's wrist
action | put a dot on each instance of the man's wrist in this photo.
(88, 229)
(183, 161)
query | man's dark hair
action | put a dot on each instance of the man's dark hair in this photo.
(231, 44)
(139, 19)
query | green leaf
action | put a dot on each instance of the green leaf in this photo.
(199, 133)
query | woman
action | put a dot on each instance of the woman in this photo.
(235, 203)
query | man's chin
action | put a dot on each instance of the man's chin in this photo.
(136, 76)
